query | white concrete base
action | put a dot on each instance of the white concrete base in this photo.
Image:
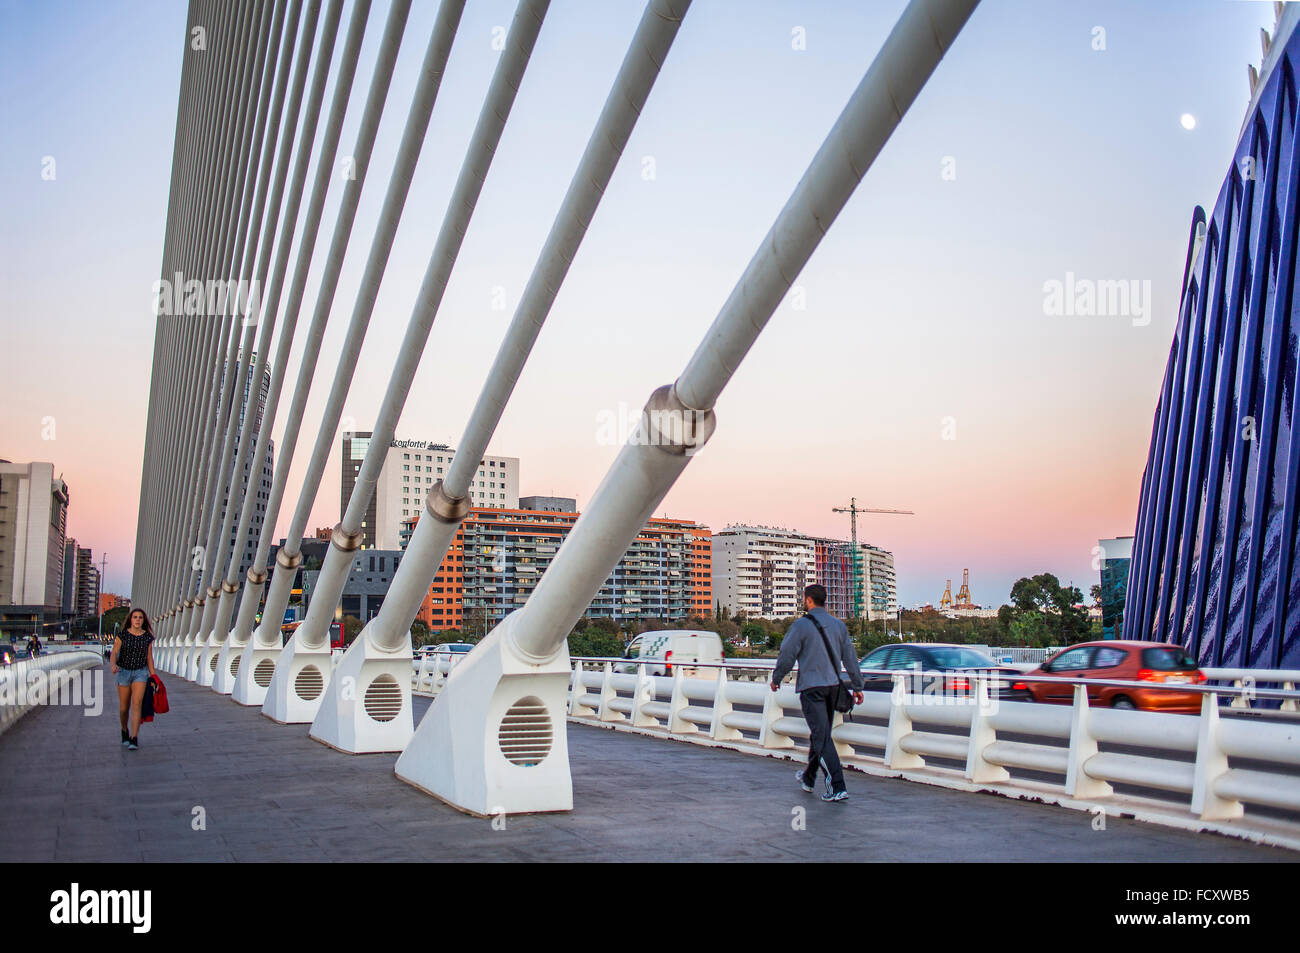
(459, 750)
(187, 664)
(246, 690)
(223, 679)
(298, 685)
(206, 663)
(367, 705)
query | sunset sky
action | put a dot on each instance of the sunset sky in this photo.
(920, 367)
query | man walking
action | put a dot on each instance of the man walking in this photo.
(820, 643)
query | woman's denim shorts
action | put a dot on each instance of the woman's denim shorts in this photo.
(125, 676)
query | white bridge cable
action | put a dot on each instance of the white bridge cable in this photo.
(242, 392)
(227, 553)
(447, 504)
(286, 564)
(256, 576)
(164, 437)
(306, 139)
(408, 154)
(191, 477)
(249, 149)
(243, 411)
(658, 451)
(491, 123)
(164, 336)
(189, 465)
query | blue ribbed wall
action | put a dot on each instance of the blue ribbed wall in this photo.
(1215, 562)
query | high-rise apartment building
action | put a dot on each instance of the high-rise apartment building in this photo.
(411, 468)
(762, 571)
(498, 556)
(33, 531)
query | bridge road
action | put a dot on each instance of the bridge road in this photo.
(70, 792)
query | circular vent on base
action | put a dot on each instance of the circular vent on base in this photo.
(383, 701)
(309, 683)
(525, 736)
(234, 665)
(263, 672)
(212, 663)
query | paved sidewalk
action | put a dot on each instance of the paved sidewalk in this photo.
(70, 792)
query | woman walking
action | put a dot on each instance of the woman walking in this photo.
(132, 663)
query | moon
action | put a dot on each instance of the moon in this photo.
(1188, 121)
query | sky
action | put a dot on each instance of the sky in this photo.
(919, 364)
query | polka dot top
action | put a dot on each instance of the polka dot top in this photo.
(135, 650)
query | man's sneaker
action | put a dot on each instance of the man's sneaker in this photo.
(132, 745)
(803, 783)
(835, 796)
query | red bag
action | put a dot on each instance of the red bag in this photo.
(155, 699)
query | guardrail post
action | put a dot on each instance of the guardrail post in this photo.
(768, 736)
(900, 726)
(1082, 747)
(678, 725)
(1239, 696)
(1290, 704)
(576, 690)
(982, 734)
(718, 731)
(645, 692)
(607, 694)
(842, 748)
(1211, 764)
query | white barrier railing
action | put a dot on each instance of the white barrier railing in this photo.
(1245, 680)
(1191, 752)
(16, 678)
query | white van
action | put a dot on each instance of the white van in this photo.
(672, 647)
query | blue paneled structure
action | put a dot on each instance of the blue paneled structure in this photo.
(1215, 559)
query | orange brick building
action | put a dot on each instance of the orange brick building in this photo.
(498, 556)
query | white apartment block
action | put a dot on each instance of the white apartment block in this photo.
(410, 471)
(33, 530)
(762, 570)
(881, 583)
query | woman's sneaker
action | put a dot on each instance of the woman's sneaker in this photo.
(126, 739)
(133, 744)
(835, 796)
(803, 783)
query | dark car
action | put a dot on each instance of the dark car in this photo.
(1126, 661)
(963, 662)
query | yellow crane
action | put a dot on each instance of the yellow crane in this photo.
(853, 510)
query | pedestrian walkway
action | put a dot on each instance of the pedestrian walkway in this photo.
(70, 792)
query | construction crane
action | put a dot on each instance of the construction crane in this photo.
(853, 510)
(946, 601)
(963, 594)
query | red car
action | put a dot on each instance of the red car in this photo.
(1120, 660)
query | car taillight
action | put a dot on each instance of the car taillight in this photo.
(1020, 686)
(1198, 677)
(959, 684)
(668, 669)
(1150, 675)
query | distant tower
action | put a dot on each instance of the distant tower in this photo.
(946, 601)
(963, 594)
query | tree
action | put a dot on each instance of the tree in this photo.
(351, 628)
(420, 634)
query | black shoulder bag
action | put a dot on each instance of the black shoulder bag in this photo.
(841, 695)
